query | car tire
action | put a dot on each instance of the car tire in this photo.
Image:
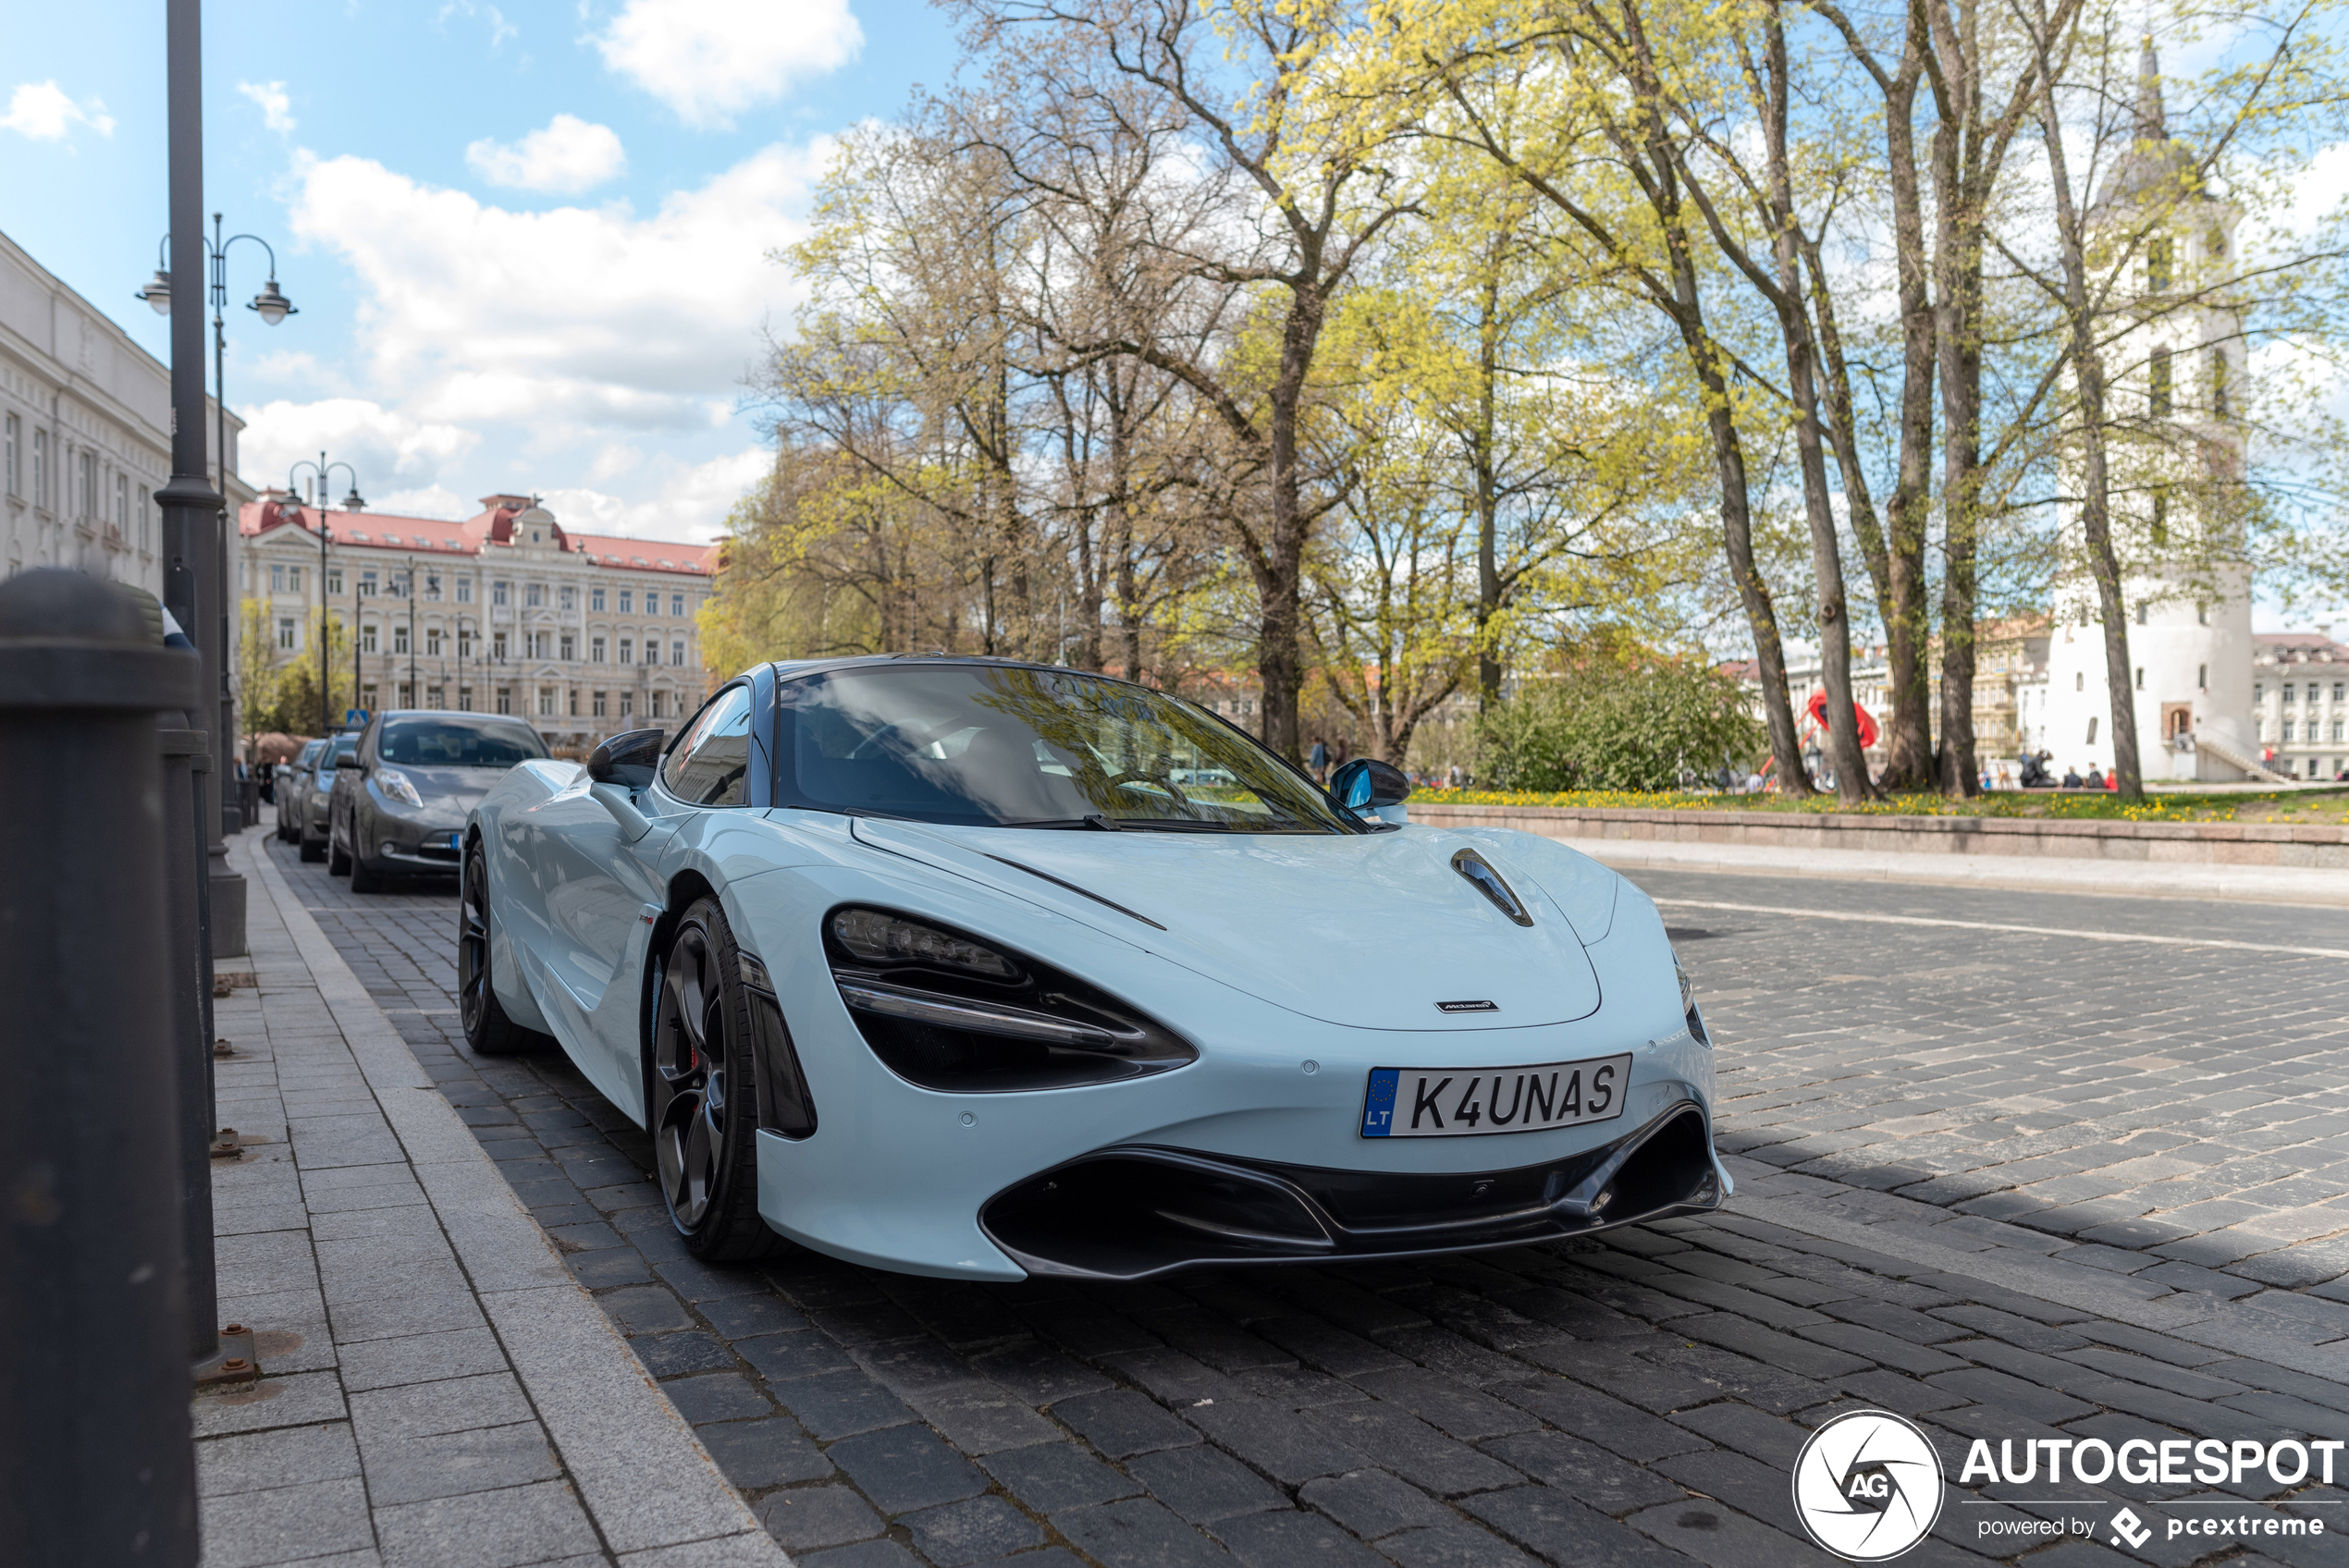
(313, 850)
(703, 1094)
(365, 878)
(338, 862)
(487, 1029)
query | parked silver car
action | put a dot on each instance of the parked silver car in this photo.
(310, 791)
(288, 785)
(401, 799)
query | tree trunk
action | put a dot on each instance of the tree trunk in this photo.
(1851, 784)
(1958, 274)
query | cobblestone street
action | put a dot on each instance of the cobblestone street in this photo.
(2020, 1168)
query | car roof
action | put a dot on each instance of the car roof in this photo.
(793, 669)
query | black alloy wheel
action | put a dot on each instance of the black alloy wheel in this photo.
(487, 1029)
(703, 1094)
(337, 858)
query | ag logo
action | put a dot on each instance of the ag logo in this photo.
(1867, 1485)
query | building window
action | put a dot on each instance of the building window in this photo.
(534, 595)
(122, 505)
(2157, 254)
(627, 601)
(2338, 726)
(2287, 732)
(41, 469)
(465, 597)
(2078, 680)
(435, 697)
(596, 600)
(367, 637)
(656, 705)
(505, 699)
(147, 525)
(465, 699)
(2092, 732)
(594, 650)
(276, 579)
(677, 653)
(628, 649)
(2202, 678)
(85, 491)
(367, 698)
(499, 593)
(464, 644)
(596, 704)
(407, 696)
(677, 606)
(366, 584)
(546, 702)
(15, 461)
(2288, 691)
(498, 646)
(2141, 614)
(628, 705)
(334, 581)
(2141, 677)
(573, 702)
(2219, 382)
(432, 589)
(2158, 381)
(399, 639)
(286, 632)
(570, 598)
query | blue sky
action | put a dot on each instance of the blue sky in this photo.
(527, 242)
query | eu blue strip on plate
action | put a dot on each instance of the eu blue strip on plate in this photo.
(1378, 1106)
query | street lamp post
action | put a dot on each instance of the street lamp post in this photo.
(227, 917)
(351, 503)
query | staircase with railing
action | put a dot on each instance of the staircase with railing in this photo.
(2227, 753)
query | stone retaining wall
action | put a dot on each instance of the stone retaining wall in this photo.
(2181, 844)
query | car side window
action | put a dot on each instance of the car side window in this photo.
(712, 764)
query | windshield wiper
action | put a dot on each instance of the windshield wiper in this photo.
(1170, 824)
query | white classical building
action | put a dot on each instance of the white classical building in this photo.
(504, 612)
(2190, 641)
(85, 434)
(2300, 703)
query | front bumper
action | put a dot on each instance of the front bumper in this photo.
(1137, 1213)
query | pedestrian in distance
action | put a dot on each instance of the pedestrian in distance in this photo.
(2071, 777)
(1319, 761)
(2095, 777)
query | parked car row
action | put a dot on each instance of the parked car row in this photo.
(391, 800)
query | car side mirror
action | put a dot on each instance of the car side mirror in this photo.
(628, 760)
(1368, 784)
(347, 759)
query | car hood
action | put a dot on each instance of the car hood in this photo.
(451, 789)
(1368, 930)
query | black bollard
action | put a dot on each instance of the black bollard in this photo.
(96, 1464)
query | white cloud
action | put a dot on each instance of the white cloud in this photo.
(711, 59)
(41, 110)
(566, 320)
(688, 504)
(567, 154)
(490, 17)
(275, 106)
(382, 446)
(433, 500)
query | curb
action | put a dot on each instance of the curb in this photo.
(2250, 884)
(640, 1472)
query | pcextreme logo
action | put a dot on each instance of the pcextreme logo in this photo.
(1867, 1485)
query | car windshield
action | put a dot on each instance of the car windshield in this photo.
(343, 746)
(987, 745)
(457, 742)
(310, 754)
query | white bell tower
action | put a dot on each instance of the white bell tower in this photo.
(2189, 600)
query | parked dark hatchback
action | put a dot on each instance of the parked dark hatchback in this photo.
(401, 799)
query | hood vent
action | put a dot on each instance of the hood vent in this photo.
(1487, 881)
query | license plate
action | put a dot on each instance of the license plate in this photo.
(456, 840)
(1470, 1102)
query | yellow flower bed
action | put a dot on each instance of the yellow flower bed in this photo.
(2065, 805)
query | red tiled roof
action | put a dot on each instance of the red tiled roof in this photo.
(492, 525)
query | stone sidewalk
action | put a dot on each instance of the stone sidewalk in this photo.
(438, 1391)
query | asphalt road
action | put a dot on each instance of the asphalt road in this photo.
(2016, 1185)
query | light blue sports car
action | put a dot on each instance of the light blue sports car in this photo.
(982, 970)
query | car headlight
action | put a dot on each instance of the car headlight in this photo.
(398, 785)
(948, 1011)
(1688, 1004)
